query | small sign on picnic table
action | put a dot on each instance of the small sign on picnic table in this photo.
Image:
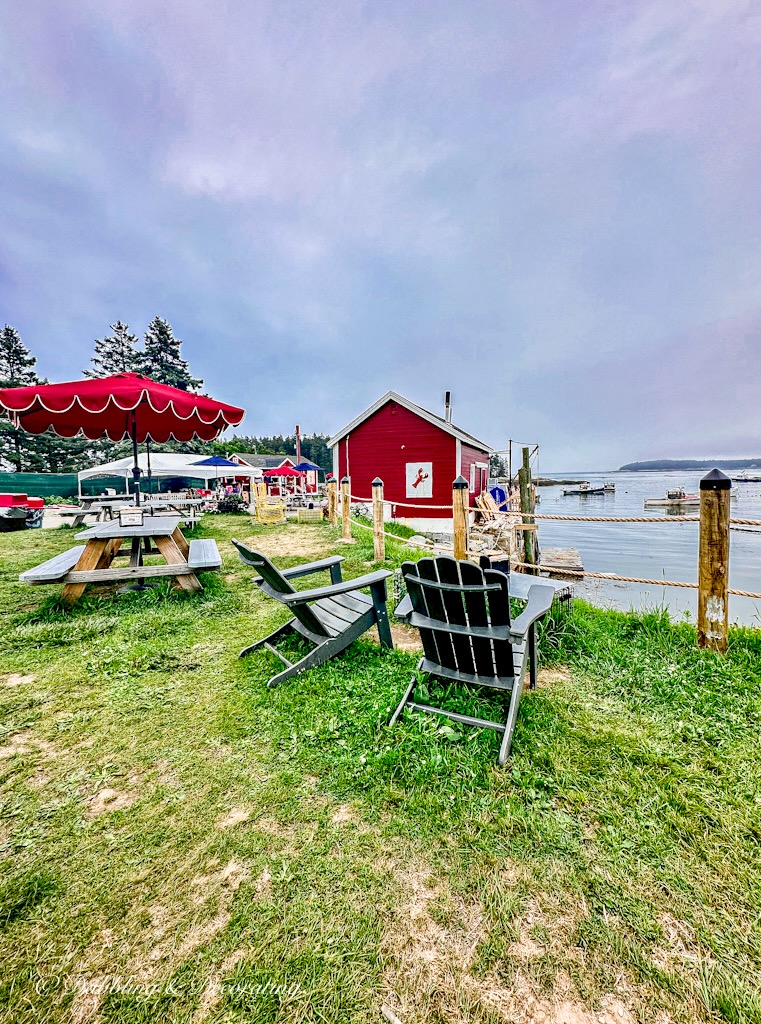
(130, 517)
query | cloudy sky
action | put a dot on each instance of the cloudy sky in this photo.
(550, 207)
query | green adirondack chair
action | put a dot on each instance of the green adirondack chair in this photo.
(330, 617)
(463, 615)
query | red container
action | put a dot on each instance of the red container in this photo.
(11, 500)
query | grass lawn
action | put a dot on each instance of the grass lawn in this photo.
(179, 843)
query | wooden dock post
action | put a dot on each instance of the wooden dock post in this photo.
(345, 509)
(333, 501)
(379, 539)
(527, 507)
(713, 561)
(460, 517)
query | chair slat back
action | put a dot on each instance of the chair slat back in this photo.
(459, 593)
(277, 584)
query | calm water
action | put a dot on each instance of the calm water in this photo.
(650, 550)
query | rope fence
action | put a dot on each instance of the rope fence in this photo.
(583, 574)
(715, 521)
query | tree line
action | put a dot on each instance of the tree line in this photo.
(159, 358)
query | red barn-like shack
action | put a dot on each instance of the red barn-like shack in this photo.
(416, 454)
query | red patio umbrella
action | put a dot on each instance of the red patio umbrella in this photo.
(283, 471)
(125, 405)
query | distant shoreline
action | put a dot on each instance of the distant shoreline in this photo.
(666, 464)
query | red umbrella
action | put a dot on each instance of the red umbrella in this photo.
(125, 405)
(283, 471)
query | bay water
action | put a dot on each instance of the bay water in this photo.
(667, 550)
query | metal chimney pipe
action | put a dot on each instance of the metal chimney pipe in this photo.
(448, 406)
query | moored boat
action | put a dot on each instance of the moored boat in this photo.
(677, 498)
(746, 476)
(584, 489)
(609, 486)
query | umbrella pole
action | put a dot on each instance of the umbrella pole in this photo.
(136, 467)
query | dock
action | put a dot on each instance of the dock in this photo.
(559, 561)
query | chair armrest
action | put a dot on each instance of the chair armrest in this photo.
(309, 567)
(539, 603)
(404, 609)
(359, 583)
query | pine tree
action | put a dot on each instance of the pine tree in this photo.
(17, 365)
(161, 358)
(115, 353)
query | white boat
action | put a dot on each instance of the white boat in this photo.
(747, 476)
(609, 486)
(677, 498)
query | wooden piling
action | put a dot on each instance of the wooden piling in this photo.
(345, 509)
(713, 561)
(460, 517)
(379, 538)
(333, 502)
(527, 507)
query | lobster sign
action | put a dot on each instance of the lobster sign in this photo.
(419, 479)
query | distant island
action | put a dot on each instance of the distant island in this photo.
(665, 464)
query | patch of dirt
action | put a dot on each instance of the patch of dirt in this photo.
(235, 816)
(294, 542)
(23, 743)
(201, 933)
(343, 814)
(86, 1004)
(405, 637)
(555, 676)
(275, 828)
(212, 993)
(521, 1004)
(263, 885)
(679, 949)
(15, 679)
(431, 960)
(108, 800)
(228, 879)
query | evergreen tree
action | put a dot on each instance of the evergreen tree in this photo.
(161, 358)
(115, 353)
(17, 370)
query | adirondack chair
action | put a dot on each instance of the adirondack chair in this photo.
(463, 614)
(330, 617)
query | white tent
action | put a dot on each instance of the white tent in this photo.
(165, 464)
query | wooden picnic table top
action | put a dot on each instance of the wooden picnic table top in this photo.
(154, 526)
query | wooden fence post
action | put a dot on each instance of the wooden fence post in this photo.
(345, 509)
(332, 502)
(524, 480)
(460, 517)
(379, 539)
(713, 561)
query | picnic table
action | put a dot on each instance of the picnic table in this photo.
(93, 561)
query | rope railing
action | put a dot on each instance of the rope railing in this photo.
(713, 545)
(403, 504)
(583, 574)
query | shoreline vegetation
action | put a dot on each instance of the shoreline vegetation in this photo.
(180, 843)
(698, 464)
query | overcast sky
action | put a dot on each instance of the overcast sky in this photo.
(550, 207)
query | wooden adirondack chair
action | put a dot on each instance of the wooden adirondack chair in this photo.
(463, 614)
(330, 618)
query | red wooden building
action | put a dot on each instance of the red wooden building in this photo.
(416, 454)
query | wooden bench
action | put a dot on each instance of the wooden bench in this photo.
(54, 570)
(204, 555)
(77, 515)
